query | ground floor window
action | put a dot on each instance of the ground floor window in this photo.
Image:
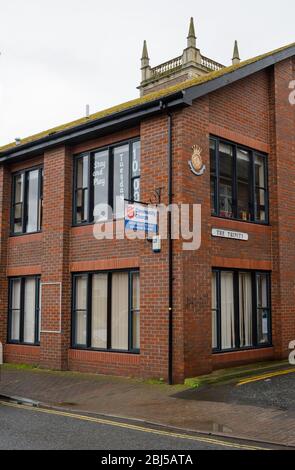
(106, 311)
(241, 315)
(24, 310)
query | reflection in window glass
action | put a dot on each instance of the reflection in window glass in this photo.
(238, 182)
(243, 184)
(213, 174)
(33, 201)
(82, 193)
(18, 203)
(225, 180)
(260, 189)
(263, 311)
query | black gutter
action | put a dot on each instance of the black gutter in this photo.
(91, 129)
(170, 253)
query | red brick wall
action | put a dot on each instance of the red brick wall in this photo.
(253, 112)
(4, 231)
(282, 204)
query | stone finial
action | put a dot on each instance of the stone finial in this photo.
(145, 63)
(236, 55)
(145, 56)
(191, 39)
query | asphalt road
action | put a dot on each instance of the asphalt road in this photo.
(27, 428)
(275, 392)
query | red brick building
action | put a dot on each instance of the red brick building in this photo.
(71, 302)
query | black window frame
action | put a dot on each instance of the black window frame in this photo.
(24, 203)
(255, 308)
(22, 280)
(90, 155)
(88, 346)
(215, 211)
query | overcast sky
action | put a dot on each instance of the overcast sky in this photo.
(59, 55)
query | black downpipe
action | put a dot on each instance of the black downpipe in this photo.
(170, 252)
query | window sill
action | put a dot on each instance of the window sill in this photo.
(30, 345)
(17, 235)
(231, 351)
(251, 222)
(107, 351)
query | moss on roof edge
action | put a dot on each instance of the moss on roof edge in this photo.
(144, 99)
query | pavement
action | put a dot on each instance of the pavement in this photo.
(258, 408)
(25, 428)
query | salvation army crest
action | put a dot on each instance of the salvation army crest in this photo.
(196, 163)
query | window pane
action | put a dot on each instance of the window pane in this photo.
(99, 311)
(227, 311)
(214, 311)
(263, 321)
(120, 312)
(135, 159)
(243, 174)
(225, 181)
(82, 190)
(136, 310)
(18, 203)
(29, 311)
(81, 312)
(121, 178)
(32, 201)
(18, 189)
(260, 207)
(136, 189)
(136, 291)
(245, 296)
(213, 175)
(101, 178)
(15, 312)
(260, 189)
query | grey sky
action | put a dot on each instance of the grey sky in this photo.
(58, 55)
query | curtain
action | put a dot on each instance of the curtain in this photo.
(99, 311)
(15, 311)
(245, 295)
(81, 309)
(136, 310)
(29, 311)
(120, 311)
(214, 311)
(227, 311)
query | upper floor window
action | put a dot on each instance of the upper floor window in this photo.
(102, 176)
(27, 195)
(24, 310)
(238, 182)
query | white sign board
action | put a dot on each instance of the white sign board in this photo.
(139, 217)
(220, 233)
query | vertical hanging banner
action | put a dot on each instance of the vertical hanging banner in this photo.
(141, 218)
